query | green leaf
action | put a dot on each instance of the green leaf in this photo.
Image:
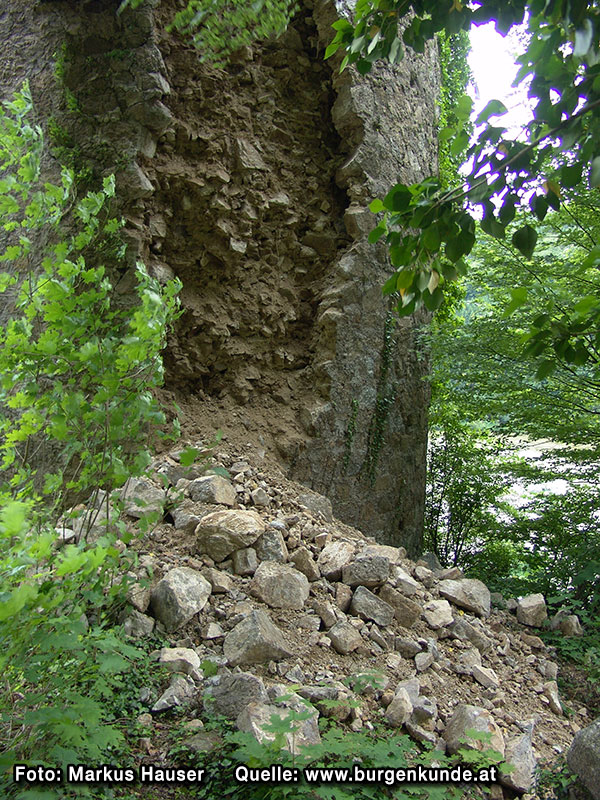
(494, 108)
(524, 240)
(518, 298)
(545, 369)
(376, 234)
(376, 206)
(570, 175)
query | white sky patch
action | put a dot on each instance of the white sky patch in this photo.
(492, 62)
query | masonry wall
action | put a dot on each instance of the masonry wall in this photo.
(251, 184)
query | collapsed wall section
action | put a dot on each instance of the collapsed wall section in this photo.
(251, 185)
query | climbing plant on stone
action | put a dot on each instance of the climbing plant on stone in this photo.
(430, 228)
(219, 27)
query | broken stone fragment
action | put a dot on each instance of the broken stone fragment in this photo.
(368, 606)
(181, 690)
(393, 554)
(423, 661)
(140, 496)
(486, 677)
(551, 692)
(280, 586)
(182, 593)
(255, 640)
(344, 637)
(467, 660)
(467, 593)
(467, 717)
(271, 546)
(305, 563)
(424, 712)
(138, 625)
(438, 614)
(256, 719)
(260, 498)
(317, 505)
(334, 557)
(406, 611)
(531, 610)
(369, 571)
(180, 659)
(228, 695)
(404, 582)
(220, 581)
(245, 562)
(519, 753)
(400, 709)
(223, 532)
(463, 630)
(212, 489)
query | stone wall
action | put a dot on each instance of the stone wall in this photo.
(251, 184)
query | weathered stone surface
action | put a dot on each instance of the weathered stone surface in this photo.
(393, 554)
(223, 532)
(369, 571)
(179, 659)
(180, 692)
(333, 557)
(204, 742)
(407, 647)
(462, 629)
(424, 575)
(531, 610)
(424, 712)
(551, 692)
(404, 582)
(368, 606)
(255, 640)
(412, 686)
(228, 695)
(468, 593)
(406, 611)
(220, 581)
(256, 719)
(305, 563)
(245, 562)
(519, 753)
(140, 496)
(271, 546)
(400, 709)
(317, 504)
(423, 661)
(467, 660)
(212, 489)
(583, 757)
(438, 614)
(138, 625)
(328, 613)
(178, 596)
(344, 637)
(280, 586)
(465, 718)
(568, 624)
(486, 677)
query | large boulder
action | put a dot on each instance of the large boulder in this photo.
(140, 496)
(228, 695)
(223, 532)
(406, 611)
(583, 757)
(531, 610)
(257, 718)
(280, 586)
(467, 593)
(255, 640)
(182, 593)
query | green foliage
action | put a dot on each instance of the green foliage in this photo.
(220, 27)
(76, 374)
